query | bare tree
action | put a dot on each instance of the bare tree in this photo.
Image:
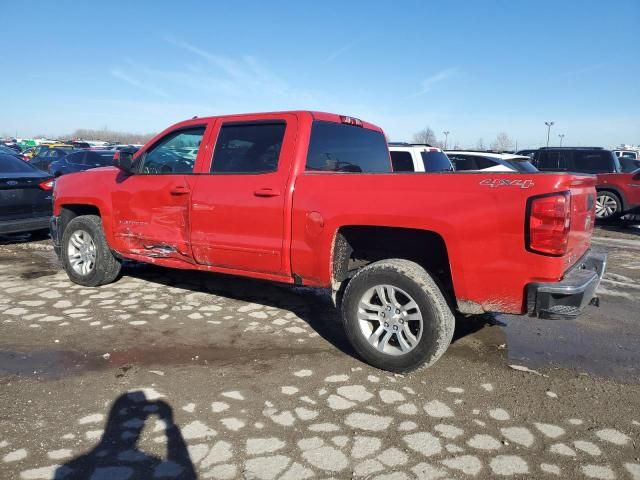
(107, 135)
(502, 143)
(426, 135)
(480, 144)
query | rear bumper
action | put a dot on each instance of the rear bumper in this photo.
(565, 300)
(24, 225)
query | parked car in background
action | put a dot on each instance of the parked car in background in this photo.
(79, 144)
(40, 149)
(618, 188)
(633, 154)
(81, 160)
(10, 151)
(28, 153)
(489, 162)
(48, 155)
(25, 196)
(527, 152)
(407, 157)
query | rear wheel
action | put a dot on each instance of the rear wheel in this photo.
(608, 205)
(86, 257)
(396, 317)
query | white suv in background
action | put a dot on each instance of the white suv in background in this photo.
(490, 162)
(413, 157)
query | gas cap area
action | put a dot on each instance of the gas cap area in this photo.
(315, 223)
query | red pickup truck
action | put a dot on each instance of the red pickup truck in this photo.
(308, 198)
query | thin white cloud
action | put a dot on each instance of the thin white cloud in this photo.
(119, 74)
(242, 76)
(344, 49)
(428, 83)
(583, 70)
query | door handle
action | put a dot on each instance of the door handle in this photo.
(179, 190)
(266, 192)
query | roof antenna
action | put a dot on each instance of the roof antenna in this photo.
(195, 116)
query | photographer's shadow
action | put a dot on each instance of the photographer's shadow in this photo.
(117, 456)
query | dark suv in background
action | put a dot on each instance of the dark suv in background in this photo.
(618, 185)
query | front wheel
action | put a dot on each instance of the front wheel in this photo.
(86, 257)
(396, 317)
(608, 205)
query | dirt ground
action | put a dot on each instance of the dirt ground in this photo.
(170, 374)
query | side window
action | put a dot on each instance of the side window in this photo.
(402, 161)
(462, 162)
(77, 158)
(248, 147)
(548, 160)
(172, 154)
(593, 162)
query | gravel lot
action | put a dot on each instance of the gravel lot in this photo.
(171, 374)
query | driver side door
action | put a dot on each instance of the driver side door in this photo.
(151, 207)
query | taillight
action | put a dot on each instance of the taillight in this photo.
(356, 122)
(47, 185)
(548, 224)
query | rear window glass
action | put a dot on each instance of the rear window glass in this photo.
(335, 147)
(521, 165)
(436, 162)
(11, 164)
(401, 161)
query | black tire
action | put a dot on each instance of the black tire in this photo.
(612, 198)
(438, 320)
(106, 267)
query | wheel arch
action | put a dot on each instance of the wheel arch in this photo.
(356, 246)
(617, 191)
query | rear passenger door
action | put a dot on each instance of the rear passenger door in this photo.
(239, 208)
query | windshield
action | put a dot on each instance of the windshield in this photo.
(436, 162)
(11, 164)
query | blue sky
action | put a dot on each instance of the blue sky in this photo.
(473, 68)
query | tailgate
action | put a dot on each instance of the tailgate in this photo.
(583, 214)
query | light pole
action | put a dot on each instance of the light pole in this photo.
(561, 135)
(548, 124)
(446, 137)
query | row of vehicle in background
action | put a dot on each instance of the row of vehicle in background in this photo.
(618, 171)
(618, 184)
(61, 159)
(413, 157)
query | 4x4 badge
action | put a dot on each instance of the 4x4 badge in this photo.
(504, 182)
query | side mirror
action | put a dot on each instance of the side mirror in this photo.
(123, 159)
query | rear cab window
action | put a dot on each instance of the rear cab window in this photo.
(335, 147)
